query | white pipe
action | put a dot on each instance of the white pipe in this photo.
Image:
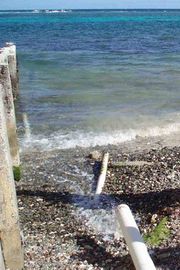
(102, 177)
(136, 245)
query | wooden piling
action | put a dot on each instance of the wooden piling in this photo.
(6, 89)
(13, 68)
(9, 219)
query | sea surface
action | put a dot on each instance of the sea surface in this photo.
(95, 77)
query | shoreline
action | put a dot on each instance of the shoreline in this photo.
(139, 143)
(61, 224)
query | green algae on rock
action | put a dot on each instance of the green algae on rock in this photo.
(17, 173)
(160, 233)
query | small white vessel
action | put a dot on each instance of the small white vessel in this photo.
(57, 11)
(54, 11)
(35, 11)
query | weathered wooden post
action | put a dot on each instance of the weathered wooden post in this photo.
(7, 95)
(12, 63)
(9, 219)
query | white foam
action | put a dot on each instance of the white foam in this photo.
(60, 140)
(100, 220)
(99, 215)
(27, 127)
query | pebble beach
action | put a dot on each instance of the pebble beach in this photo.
(64, 227)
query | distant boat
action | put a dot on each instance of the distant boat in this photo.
(36, 11)
(63, 10)
(57, 11)
(54, 11)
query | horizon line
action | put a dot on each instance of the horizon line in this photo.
(93, 9)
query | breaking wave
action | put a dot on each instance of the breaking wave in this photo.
(60, 140)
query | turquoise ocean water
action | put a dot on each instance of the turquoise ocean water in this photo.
(95, 77)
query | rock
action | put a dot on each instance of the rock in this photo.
(95, 155)
(154, 218)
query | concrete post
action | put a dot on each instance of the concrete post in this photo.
(13, 69)
(9, 218)
(7, 95)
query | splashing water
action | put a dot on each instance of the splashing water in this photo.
(59, 140)
(26, 127)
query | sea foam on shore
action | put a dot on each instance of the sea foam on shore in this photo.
(61, 140)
